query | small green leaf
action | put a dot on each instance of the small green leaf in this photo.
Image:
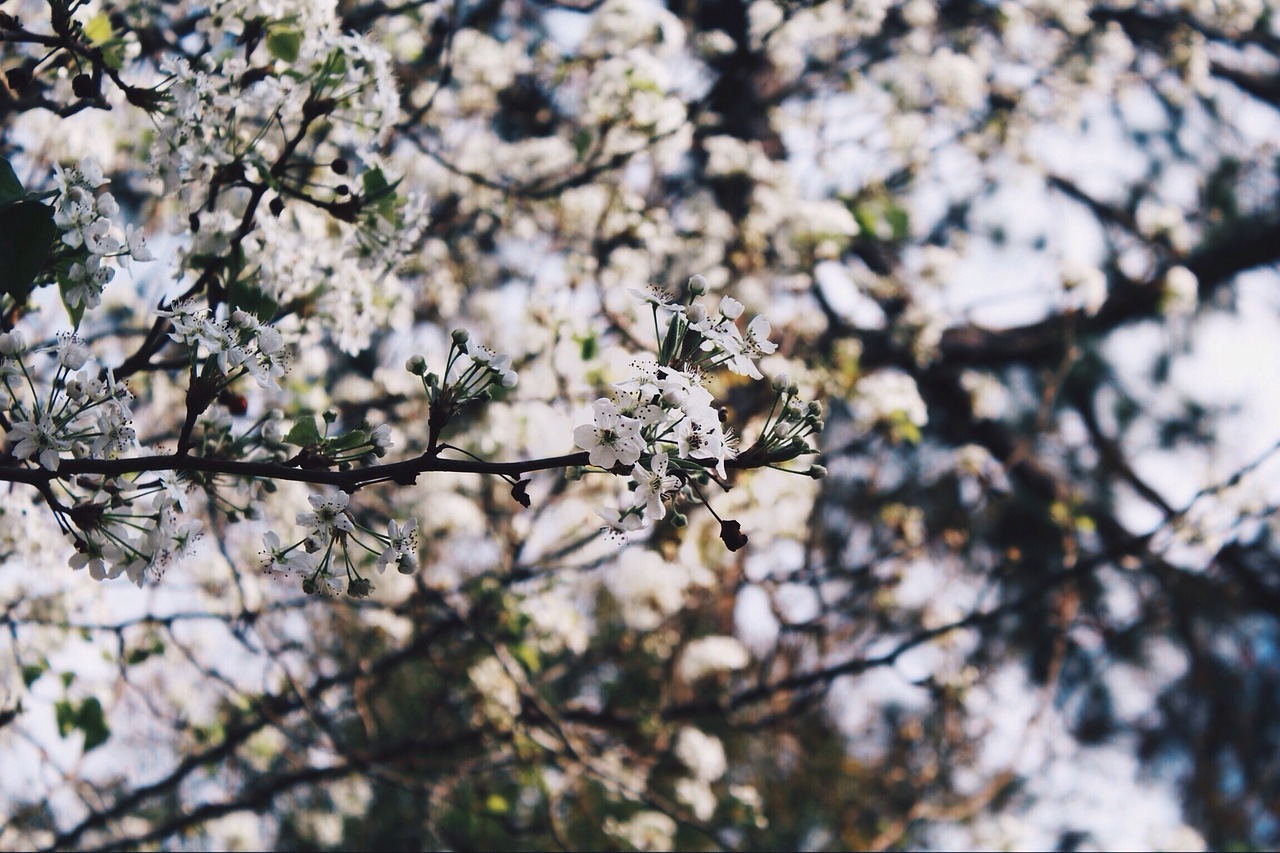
(590, 346)
(142, 653)
(113, 55)
(10, 187)
(244, 296)
(304, 432)
(65, 713)
(98, 30)
(27, 233)
(32, 671)
(93, 723)
(582, 143)
(527, 655)
(355, 438)
(284, 44)
(75, 312)
(375, 184)
(899, 221)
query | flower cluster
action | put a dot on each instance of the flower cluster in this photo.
(663, 423)
(78, 413)
(243, 345)
(121, 541)
(472, 372)
(89, 234)
(334, 538)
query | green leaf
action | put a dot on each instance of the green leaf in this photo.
(32, 671)
(113, 55)
(75, 312)
(244, 296)
(65, 713)
(98, 30)
(590, 346)
(93, 723)
(355, 438)
(899, 221)
(27, 233)
(284, 44)
(527, 655)
(10, 187)
(304, 432)
(378, 192)
(582, 143)
(142, 653)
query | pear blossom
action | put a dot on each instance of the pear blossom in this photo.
(613, 440)
(329, 517)
(39, 438)
(653, 485)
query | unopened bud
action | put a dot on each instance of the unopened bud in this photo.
(697, 284)
(330, 415)
(817, 472)
(417, 365)
(460, 337)
(780, 382)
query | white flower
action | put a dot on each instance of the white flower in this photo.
(707, 655)
(136, 243)
(887, 394)
(731, 307)
(380, 438)
(279, 559)
(613, 440)
(703, 441)
(647, 830)
(12, 343)
(757, 341)
(652, 487)
(402, 549)
(330, 515)
(92, 557)
(698, 796)
(72, 353)
(40, 439)
(1181, 291)
(1085, 287)
(621, 521)
(702, 753)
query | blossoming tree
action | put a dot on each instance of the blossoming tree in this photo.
(516, 329)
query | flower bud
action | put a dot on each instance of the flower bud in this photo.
(817, 472)
(330, 415)
(460, 337)
(780, 382)
(731, 307)
(697, 284)
(417, 365)
(12, 343)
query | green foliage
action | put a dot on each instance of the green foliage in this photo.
(87, 717)
(27, 234)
